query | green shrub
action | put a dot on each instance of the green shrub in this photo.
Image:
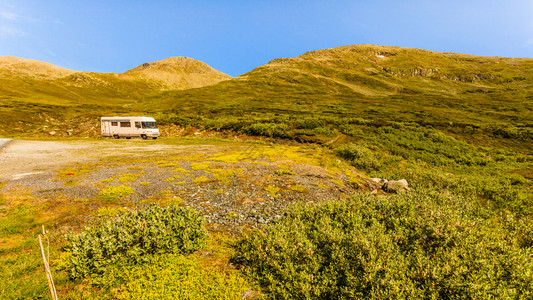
(324, 132)
(415, 142)
(307, 123)
(408, 246)
(268, 129)
(132, 235)
(359, 156)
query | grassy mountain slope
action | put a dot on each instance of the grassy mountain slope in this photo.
(378, 82)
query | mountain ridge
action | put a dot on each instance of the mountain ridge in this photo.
(11, 65)
(171, 73)
(376, 82)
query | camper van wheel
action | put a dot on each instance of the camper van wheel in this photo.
(116, 136)
(154, 138)
(129, 137)
(144, 136)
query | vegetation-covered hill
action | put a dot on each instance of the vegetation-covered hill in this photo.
(376, 82)
(33, 81)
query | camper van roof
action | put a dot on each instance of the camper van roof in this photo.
(128, 119)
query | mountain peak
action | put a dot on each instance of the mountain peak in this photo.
(178, 73)
(180, 62)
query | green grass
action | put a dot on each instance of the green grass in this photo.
(20, 260)
(113, 193)
(168, 277)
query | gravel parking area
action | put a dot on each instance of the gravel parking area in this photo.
(234, 185)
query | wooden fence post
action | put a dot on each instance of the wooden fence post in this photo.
(51, 285)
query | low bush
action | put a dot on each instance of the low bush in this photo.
(415, 142)
(407, 246)
(268, 129)
(131, 236)
(359, 156)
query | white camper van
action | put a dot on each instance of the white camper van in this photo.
(128, 127)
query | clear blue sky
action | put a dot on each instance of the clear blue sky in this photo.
(237, 36)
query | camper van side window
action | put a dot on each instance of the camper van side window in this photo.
(125, 124)
(138, 124)
(114, 123)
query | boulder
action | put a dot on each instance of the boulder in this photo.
(396, 186)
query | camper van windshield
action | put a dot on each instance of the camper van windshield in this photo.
(149, 125)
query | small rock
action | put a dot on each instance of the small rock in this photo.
(396, 186)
